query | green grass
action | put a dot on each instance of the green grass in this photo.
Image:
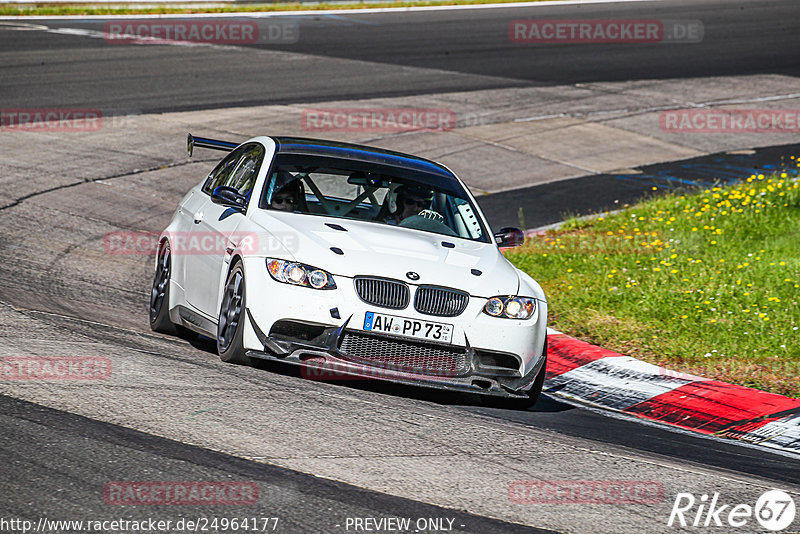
(58, 10)
(704, 282)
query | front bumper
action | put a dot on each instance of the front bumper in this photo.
(340, 353)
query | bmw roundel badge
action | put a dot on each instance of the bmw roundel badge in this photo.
(412, 275)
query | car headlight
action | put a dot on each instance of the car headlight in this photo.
(510, 307)
(299, 274)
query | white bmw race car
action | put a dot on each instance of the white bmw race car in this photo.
(350, 261)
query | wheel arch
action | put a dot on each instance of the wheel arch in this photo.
(163, 238)
(236, 259)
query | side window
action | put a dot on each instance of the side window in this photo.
(239, 169)
(219, 176)
(243, 178)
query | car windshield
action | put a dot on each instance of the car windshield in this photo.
(382, 194)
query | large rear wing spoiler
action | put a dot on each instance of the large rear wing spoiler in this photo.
(202, 142)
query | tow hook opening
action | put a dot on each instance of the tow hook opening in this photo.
(483, 384)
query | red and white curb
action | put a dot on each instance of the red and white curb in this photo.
(591, 375)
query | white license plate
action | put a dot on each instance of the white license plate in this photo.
(403, 326)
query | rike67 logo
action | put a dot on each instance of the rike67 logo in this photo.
(774, 510)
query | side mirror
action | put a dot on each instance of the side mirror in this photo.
(509, 237)
(228, 196)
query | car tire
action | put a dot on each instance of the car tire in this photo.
(159, 297)
(230, 324)
(159, 293)
(522, 403)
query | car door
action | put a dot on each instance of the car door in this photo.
(215, 227)
(184, 226)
